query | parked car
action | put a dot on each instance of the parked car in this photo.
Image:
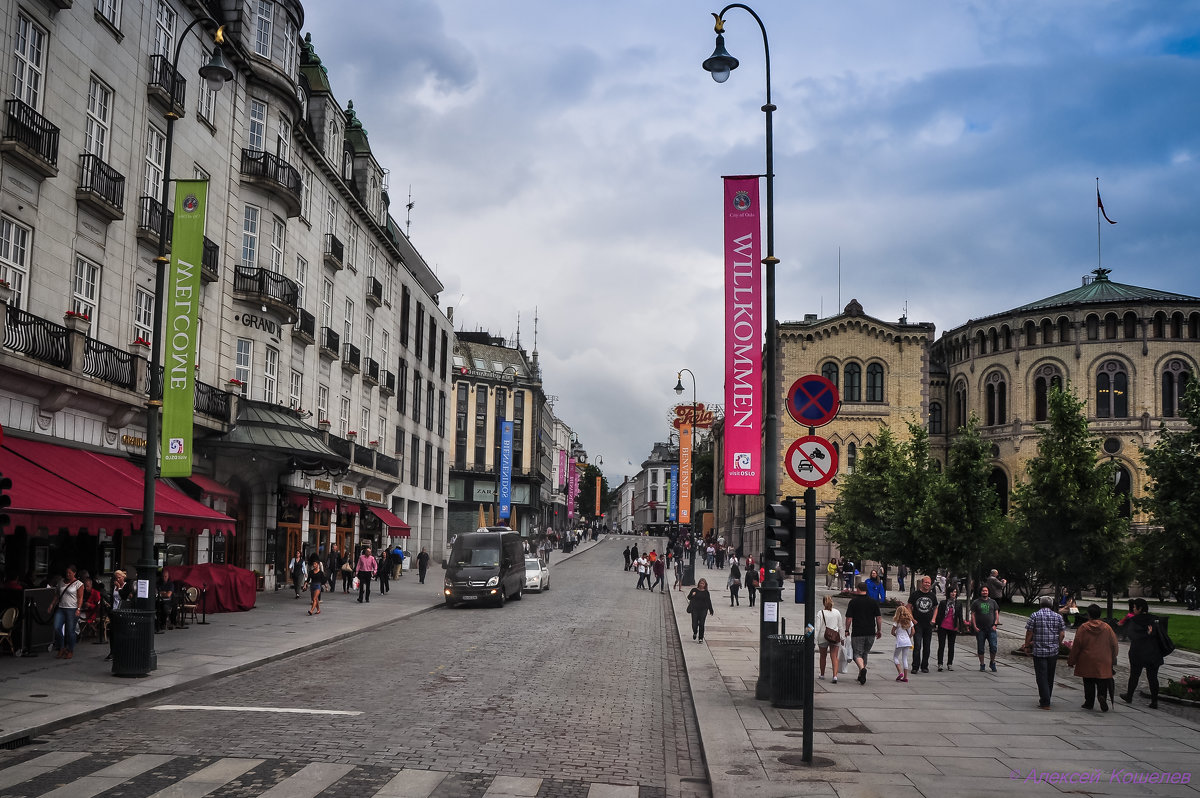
(537, 575)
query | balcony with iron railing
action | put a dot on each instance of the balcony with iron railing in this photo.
(151, 222)
(351, 358)
(331, 344)
(387, 465)
(335, 252)
(305, 328)
(210, 262)
(364, 456)
(374, 292)
(340, 446)
(275, 174)
(101, 188)
(166, 85)
(268, 289)
(370, 372)
(30, 139)
(387, 384)
(109, 364)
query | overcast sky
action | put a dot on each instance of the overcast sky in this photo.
(565, 158)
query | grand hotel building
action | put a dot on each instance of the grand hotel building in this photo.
(323, 379)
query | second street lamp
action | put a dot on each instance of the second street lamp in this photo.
(689, 573)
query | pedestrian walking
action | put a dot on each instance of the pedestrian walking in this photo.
(633, 553)
(864, 624)
(367, 566)
(903, 627)
(1144, 651)
(985, 620)
(422, 564)
(65, 610)
(316, 586)
(875, 587)
(642, 566)
(628, 561)
(699, 606)
(1044, 632)
(659, 569)
(734, 584)
(383, 571)
(1094, 656)
(901, 574)
(923, 604)
(752, 580)
(298, 571)
(333, 566)
(831, 572)
(946, 621)
(828, 634)
(347, 570)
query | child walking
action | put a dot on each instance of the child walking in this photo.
(902, 630)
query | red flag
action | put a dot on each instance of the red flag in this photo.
(1100, 205)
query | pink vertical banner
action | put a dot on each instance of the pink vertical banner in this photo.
(572, 487)
(743, 337)
(562, 467)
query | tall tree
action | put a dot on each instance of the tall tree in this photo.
(960, 525)
(1068, 513)
(869, 517)
(1169, 550)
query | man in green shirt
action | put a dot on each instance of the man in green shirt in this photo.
(985, 618)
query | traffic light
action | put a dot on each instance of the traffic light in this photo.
(5, 500)
(781, 534)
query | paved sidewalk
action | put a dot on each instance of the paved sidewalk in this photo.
(958, 732)
(42, 693)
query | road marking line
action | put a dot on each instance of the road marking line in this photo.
(38, 766)
(209, 779)
(285, 710)
(312, 780)
(109, 777)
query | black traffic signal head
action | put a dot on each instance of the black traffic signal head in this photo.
(781, 534)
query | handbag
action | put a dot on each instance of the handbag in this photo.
(831, 635)
(347, 568)
(1165, 644)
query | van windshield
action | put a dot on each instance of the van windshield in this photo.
(478, 557)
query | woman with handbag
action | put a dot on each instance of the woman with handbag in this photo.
(699, 606)
(829, 635)
(946, 621)
(734, 584)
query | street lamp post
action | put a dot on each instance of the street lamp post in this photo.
(719, 65)
(689, 573)
(216, 73)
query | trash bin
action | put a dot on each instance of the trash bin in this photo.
(131, 631)
(800, 591)
(787, 672)
(689, 573)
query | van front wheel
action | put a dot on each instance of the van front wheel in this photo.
(500, 600)
(520, 594)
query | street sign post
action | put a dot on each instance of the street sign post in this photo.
(811, 461)
(813, 401)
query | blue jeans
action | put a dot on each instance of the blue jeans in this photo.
(64, 629)
(988, 635)
(1043, 671)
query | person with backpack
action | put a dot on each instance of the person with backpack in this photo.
(1145, 652)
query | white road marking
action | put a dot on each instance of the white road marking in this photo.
(285, 710)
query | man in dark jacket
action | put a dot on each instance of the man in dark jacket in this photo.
(923, 603)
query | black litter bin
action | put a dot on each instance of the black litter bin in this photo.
(787, 673)
(131, 632)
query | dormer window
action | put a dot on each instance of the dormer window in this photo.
(347, 164)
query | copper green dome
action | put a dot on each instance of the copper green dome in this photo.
(1101, 289)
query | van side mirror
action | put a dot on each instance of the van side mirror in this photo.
(443, 565)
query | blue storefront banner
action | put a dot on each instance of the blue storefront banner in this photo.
(674, 513)
(506, 453)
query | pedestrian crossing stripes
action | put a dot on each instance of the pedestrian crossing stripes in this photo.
(31, 773)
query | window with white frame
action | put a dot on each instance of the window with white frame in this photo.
(156, 146)
(331, 214)
(110, 10)
(301, 279)
(352, 246)
(29, 62)
(241, 364)
(333, 141)
(250, 237)
(271, 376)
(322, 403)
(385, 346)
(256, 132)
(85, 282)
(348, 325)
(283, 143)
(14, 257)
(327, 303)
(381, 434)
(306, 202)
(347, 164)
(389, 285)
(368, 335)
(291, 46)
(365, 430)
(206, 97)
(143, 314)
(277, 232)
(263, 15)
(99, 118)
(344, 416)
(164, 29)
(372, 255)
(296, 390)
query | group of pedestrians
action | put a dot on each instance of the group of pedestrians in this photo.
(317, 578)
(650, 568)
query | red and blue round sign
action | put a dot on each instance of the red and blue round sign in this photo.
(813, 401)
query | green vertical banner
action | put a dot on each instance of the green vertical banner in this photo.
(181, 329)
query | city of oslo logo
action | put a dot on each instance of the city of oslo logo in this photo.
(741, 201)
(190, 203)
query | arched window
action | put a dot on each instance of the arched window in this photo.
(1006, 337)
(852, 391)
(1112, 391)
(1177, 325)
(980, 343)
(1130, 324)
(1194, 325)
(1093, 327)
(960, 406)
(1110, 326)
(874, 383)
(851, 457)
(1064, 330)
(1047, 332)
(935, 418)
(1030, 333)
(830, 372)
(996, 399)
(1124, 489)
(1174, 381)
(1159, 330)
(993, 341)
(999, 482)
(1044, 379)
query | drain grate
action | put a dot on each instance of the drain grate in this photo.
(17, 742)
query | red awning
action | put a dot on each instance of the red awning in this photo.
(396, 527)
(210, 487)
(44, 500)
(121, 482)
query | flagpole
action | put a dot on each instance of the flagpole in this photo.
(1099, 265)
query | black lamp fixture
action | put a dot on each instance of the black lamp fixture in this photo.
(720, 63)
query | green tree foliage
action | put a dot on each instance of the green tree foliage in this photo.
(585, 505)
(1169, 551)
(702, 470)
(960, 525)
(1068, 514)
